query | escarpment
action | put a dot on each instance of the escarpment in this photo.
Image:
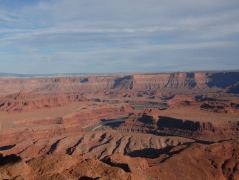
(164, 125)
(136, 126)
(136, 82)
(56, 91)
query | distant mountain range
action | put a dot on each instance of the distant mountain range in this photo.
(99, 74)
(56, 74)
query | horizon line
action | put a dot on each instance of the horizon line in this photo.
(23, 75)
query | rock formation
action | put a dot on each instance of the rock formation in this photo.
(136, 126)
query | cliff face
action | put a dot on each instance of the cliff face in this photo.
(164, 81)
(21, 93)
(223, 79)
(188, 81)
(163, 125)
(138, 82)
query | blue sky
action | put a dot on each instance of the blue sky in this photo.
(101, 36)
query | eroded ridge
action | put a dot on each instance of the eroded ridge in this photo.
(138, 126)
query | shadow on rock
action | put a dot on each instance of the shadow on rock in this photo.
(123, 166)
(4, 148)
(9, 159)
(150, 152)
(88, 178)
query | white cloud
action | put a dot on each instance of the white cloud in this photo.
(79, 30)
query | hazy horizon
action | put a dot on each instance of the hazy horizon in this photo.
(4, 74)
(148, 36)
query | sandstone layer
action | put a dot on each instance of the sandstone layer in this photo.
(136, 126)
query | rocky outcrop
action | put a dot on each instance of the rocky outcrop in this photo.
(163, 125)
(183, 161)
(173, 123)
(197, 161)
(28, 102)
(62, 167)
(214, 107)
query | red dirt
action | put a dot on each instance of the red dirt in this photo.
(140, 126)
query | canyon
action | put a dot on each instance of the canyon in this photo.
(182, 125)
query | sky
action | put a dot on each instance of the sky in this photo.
(111, 36)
